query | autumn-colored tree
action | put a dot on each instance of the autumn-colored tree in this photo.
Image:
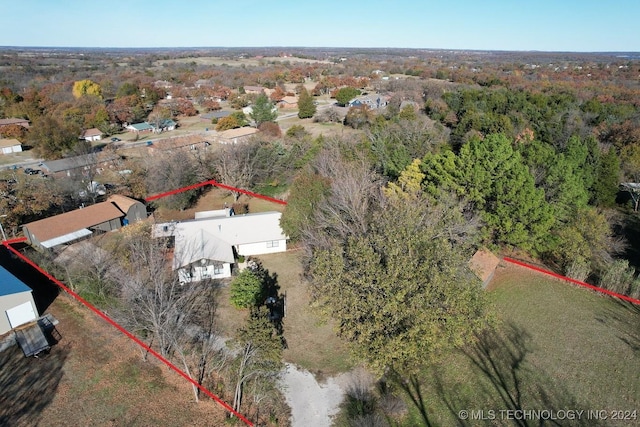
(226, 123)
(52, 138)
(270, 129)
(86, 87)
(14, 131)
(128, 109)
(277, 94)
(358, 117)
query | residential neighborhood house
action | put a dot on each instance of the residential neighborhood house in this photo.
(234, 136)
(9, 146)
(207, 247)
(92, 134)
(14, 121)
(79, 164)
(145, 127)
(68, 227)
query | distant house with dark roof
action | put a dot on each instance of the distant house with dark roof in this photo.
(17, 306)
(161, 126)
(92, 134)
(215, 115)
(9, 146)
(140, 127)
(78, 164)
(78, 224)
(14, 121)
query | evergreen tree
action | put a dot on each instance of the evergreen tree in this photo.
(263, 110)
(306, 107)
(498, 181)
(607, 181)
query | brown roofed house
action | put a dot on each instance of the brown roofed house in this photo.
(233, 136)
(14, 121)
(71, 226)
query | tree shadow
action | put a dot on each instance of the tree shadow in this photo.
(271, 297)
(44, 290)
(625, 320)
(28, 384)
(508, 382)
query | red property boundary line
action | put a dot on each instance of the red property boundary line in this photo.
(8, 243)
(570, 280)
(216, 184)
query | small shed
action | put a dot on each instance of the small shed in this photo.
(132, 209)
(17, 306)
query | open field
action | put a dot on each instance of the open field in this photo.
(557, 347)
(237, 62)
(95, 376)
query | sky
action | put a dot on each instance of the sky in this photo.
(523, 25)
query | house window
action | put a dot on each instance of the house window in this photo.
(218, 269)
(273, 244)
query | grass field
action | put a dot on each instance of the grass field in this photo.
(557, 347)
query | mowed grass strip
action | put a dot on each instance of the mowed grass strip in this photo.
(311, 340)
(557, 347)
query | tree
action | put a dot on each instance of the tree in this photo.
(154, 302)
(346, 94)
(263, 110)
(226, 123)
(86, 87)
(172, 170)
(607, 181)
(358, 117)
(397, 317)
(51, 138)
(306, 106)
(237, 165)
(245, 289)
(259, 355)
(306, 191)
(497, 180)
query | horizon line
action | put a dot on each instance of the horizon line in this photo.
(322, 47)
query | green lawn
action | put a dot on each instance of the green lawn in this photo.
(557, 347)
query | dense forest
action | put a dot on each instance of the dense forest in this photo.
(523, 153)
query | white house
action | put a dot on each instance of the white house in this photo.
(206, 247)
(9, 146)
(92, 134)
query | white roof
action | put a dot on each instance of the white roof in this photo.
(211, 214)
(65, 238)
(197, 245)
(235, 230)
